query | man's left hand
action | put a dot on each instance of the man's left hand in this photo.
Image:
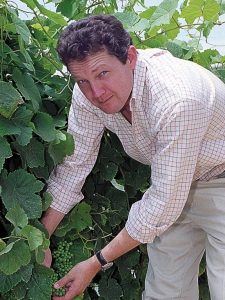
(78, 279)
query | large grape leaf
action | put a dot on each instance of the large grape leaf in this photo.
(7, 127)
(18, 256)
(10, 281)
(17, 216)
(33, 235)
(79, 251)
(163, 13)
(27, 88)
(21, 27)
(60, 150)
(40, 285)
(57, 18)
(126, 263)
(110, 289)
(68, 8)
(5, 151)
(33, 154)
(44, 126)
(208, 9)
(22, 120)
(9, 99)
(20, 188)
(80, 216)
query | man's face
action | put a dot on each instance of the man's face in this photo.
(104, 80)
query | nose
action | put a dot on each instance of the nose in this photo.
(97, 90)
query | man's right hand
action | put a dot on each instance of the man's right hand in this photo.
(50, 220)
(48, 258)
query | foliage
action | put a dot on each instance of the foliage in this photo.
(35, 93)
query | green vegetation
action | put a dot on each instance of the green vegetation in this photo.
(35, 94)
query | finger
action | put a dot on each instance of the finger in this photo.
(65, 281)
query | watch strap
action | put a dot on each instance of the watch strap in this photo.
(101, 258)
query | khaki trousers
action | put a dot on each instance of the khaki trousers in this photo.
(174, 257)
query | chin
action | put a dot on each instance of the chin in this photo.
(110, 110)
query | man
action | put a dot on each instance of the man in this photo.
(168, 113)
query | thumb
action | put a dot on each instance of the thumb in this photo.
(62, 282)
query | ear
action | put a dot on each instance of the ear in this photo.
(132, 56)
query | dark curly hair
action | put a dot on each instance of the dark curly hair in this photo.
(91, 35)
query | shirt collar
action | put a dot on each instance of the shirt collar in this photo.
(139, 80)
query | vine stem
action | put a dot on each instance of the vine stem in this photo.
(14, 237)
(185, 26)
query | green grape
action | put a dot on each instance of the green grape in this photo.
(62, 258)
(62, 264)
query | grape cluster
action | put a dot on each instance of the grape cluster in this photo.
(62, 264)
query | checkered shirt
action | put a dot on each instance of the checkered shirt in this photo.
(178, 127)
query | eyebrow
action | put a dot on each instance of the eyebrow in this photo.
(101, 66)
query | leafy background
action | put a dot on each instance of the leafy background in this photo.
(35, 93)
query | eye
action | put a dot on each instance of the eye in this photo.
(81, 82)
(102, 74)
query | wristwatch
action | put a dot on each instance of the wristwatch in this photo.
(105, 265)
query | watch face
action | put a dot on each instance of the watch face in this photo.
(107, 266)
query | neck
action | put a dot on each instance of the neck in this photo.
(125, 111)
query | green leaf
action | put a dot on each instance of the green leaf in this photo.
(7, 127)
(35, 154)
(175, 49)
(208, 9)
(109, 171)
(141, 25)
(172, 29)
(60, 150)
(30, 4)
(13, 260)
(21, 28)
(27, 88)
(45, 127)
(17, 216)
(211, 10)
(22, 116)
(5, 151)
(34, 236)
(10, 281)
(40, 255)
(20, 188)
(68, 8)
(40, 285)
(221, 74)
(204, 58)
(80, 216)
(163, 13)
(80, 252)
(57, 18)
(2, 245)
(9, 99)
(147, 14)
(128, 19)
(127, 263)
(47, 200)
(110, 289)
(22, 120)
(118, 200)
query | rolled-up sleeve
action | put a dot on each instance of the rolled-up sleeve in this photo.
(178, 142)
(66, 181)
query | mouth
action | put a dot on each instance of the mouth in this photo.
(106, 101)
